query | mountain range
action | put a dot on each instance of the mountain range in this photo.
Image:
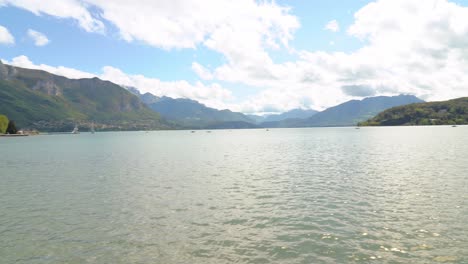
(349, 113)
(191, 114)
(292, 114)
(352, 112)
(36, 99)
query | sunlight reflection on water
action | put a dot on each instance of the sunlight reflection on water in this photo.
(323, 195)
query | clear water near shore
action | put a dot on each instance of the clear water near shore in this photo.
(319, 195)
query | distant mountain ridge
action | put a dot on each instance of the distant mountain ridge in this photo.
(349, 113)
(451, 112)
(40, 100)
(192, 114)
(352, 112)
(291, 114)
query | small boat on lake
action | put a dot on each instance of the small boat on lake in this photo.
(75, 130)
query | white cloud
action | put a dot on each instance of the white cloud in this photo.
(201, 71)
(74, 9)
(39, 38)
(188, 23)
(24, 62)
(212, 95)
(333, 26)
(6, 37)
(422, 50)
(180, 23)
(239, 30)
(408, 46)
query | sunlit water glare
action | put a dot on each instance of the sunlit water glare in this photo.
(320, 195)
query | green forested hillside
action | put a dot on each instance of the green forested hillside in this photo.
(452, 112)
(40, 100)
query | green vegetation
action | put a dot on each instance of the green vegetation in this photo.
(3, 124)
(11, 129)
(452, 112)
(46, 102)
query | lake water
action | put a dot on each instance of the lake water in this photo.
(320, 195)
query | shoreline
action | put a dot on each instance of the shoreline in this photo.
(14, 135)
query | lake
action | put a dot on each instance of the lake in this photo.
(318, 195)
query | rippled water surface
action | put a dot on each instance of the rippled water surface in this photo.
(322, 195)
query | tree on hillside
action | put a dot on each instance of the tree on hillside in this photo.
(11, 129)
(3, 124)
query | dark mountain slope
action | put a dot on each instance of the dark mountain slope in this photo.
(40, 100)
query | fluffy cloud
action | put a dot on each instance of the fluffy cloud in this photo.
(74, 9)
(212, 95)
(25, 62)
(201, 71)
(408, 46)
(6, 37)
(177, 23)
(358, 90)
(241, 31)
(39, 38)
(422, 50)
(234, 28)
(333, 26)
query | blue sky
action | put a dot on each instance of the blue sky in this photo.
(93, 51)
(303, 65)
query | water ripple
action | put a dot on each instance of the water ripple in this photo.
(328, 195)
